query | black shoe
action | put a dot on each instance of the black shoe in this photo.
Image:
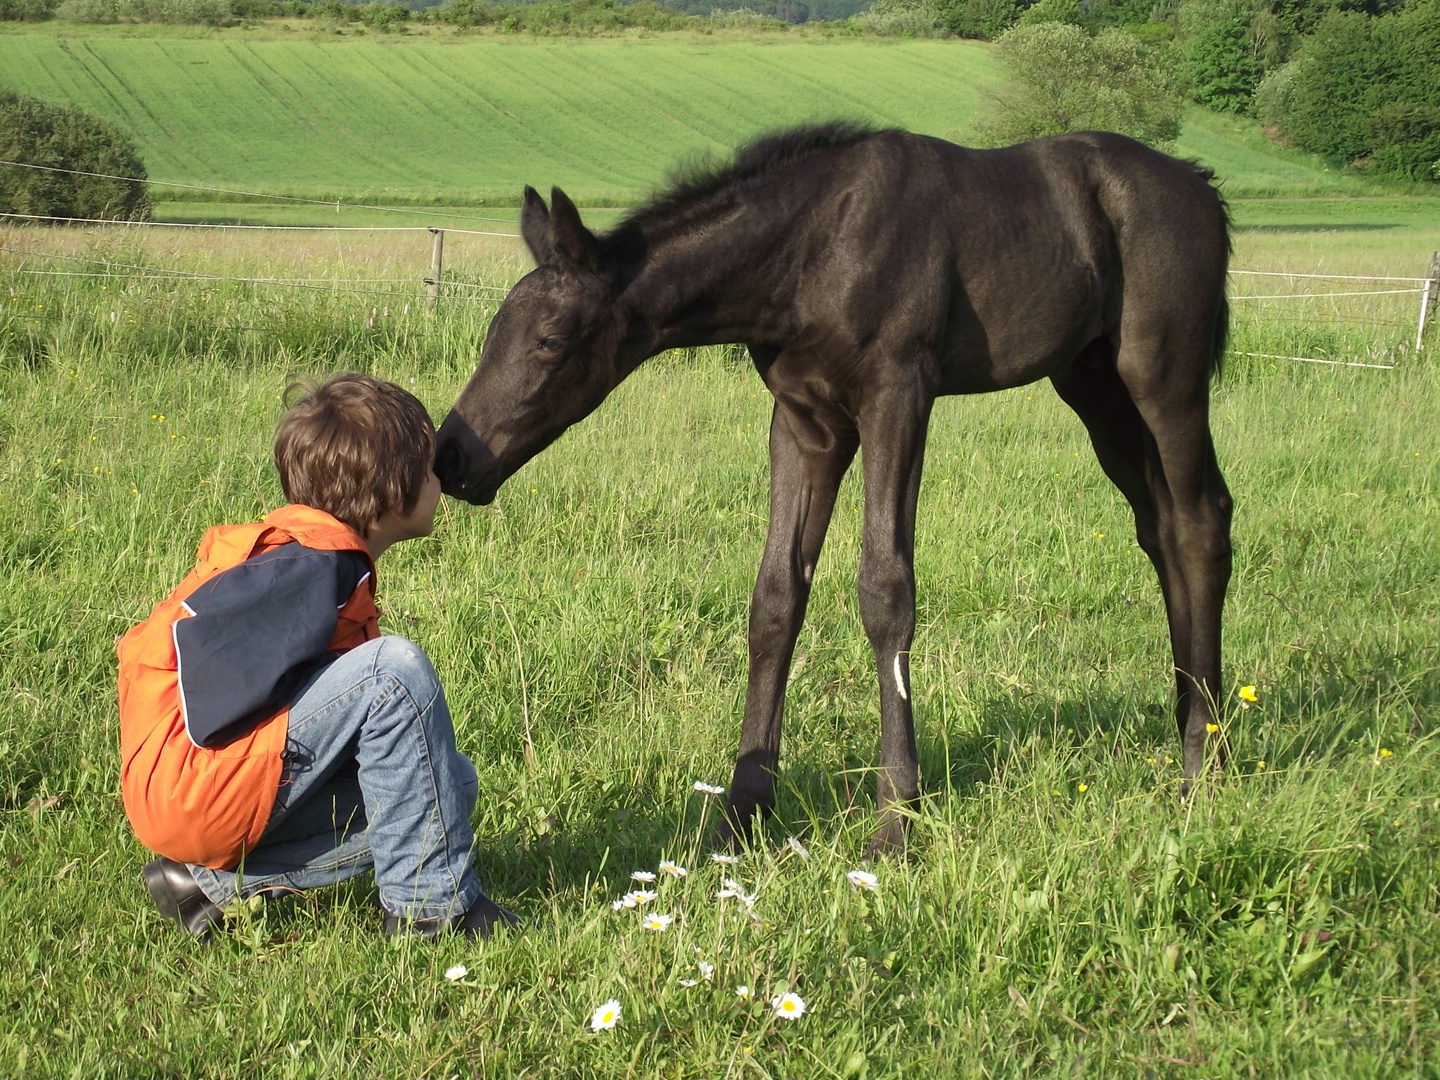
(479, 921)
(178, 897)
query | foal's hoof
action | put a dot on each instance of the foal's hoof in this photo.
(889, 840)
(735, 828)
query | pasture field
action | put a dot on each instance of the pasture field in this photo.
(469, 120)
(1060, 912)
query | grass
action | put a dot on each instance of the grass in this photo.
(445, 120)
(1061, 911)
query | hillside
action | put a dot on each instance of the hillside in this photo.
(468, 121)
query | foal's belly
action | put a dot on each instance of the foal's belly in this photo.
(1003, 341)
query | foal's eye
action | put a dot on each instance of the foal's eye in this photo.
(552, 344)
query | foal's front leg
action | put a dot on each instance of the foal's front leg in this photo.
(808, 458)
(892, 433)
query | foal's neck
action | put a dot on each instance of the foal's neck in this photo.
(711, 274)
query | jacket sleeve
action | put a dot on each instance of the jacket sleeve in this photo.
(254, 634)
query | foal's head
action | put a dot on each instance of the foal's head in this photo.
(548, 360)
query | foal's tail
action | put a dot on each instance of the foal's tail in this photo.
(1220, 339)
(1221, 334)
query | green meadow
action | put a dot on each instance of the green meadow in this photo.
(1060, 912)
(469, 120)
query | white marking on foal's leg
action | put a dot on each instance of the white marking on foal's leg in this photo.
(900, 680)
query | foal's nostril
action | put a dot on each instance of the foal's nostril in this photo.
(447, 461)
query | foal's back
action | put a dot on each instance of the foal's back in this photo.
(1000, 266)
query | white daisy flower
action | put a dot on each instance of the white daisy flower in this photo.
(456, 973)
(669, 866)
(708, 789)
(748, 901)
(620, 905)
(724, 860)
(707, 971)
(642, 896)
(687, 983)
(605, 1016)
(726, 894)
(799, 849)
(863, 879)
(743, 993)
(734, 886)
(790, 1006)
(657, 922)
(626, 901)
(644, 876)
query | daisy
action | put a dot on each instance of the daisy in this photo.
(708, 789)
(687, 983)
(642, 896)
(799, 849)
(669, 866)
(743, 993)
(724, 860)
(734, 886)
(605, 1016)
(863, 879)
(644, 876)
(621, 905)
(790, 1006)
(456, 973)
(657, 922)
(726, 894)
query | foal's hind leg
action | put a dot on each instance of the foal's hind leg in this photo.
(1173, 400)
(809, 454)
(1127, 453)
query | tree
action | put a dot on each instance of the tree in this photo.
(1221, 64)
(37, 133)
(1366, 89)
(1065, 80)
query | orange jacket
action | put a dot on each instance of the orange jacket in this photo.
(209, 805)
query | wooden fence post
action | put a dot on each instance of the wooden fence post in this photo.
(432, 283)
(1429, 296)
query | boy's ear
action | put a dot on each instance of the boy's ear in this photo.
(570, 239)
(535, 227)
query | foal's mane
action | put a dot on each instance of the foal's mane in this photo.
(703, 177)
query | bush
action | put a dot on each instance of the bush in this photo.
(986, 19)
(1364, 89)
(1220, 65)
(176, 12)
(1066, 80)
(899, 18)
(87, 11)
(37, 133)
(26, 10)
(1406, 138)
(565, 16)
(1052, 11)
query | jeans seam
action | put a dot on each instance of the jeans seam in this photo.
(429, 765)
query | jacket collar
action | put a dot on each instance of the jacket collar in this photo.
(316, 529)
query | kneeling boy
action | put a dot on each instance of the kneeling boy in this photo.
(272, 740)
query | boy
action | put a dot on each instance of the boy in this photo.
(271, 739)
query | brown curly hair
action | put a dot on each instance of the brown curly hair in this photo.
(354, 447)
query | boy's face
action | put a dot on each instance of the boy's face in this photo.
(392, 528)
(421, 520)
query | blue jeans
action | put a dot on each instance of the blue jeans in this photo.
(371, 780)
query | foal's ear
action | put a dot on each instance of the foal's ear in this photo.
(569, 237)
(535, 227)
